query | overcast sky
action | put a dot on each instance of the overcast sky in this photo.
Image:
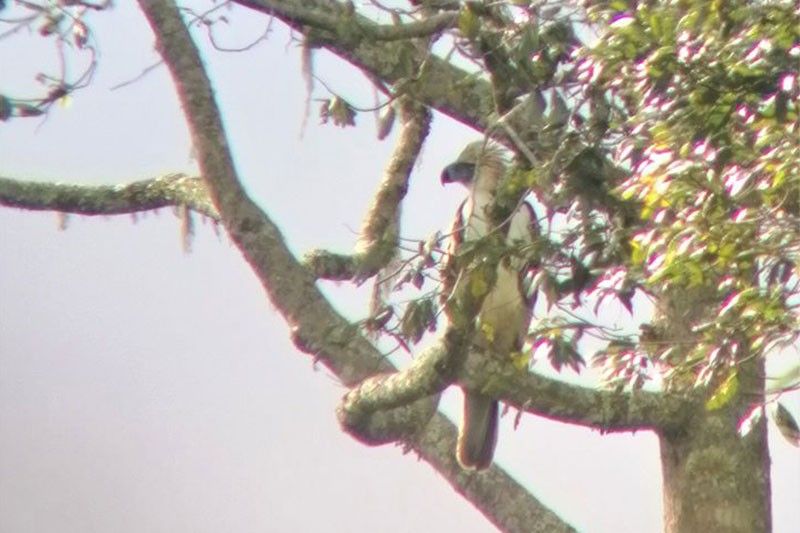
(146, 389)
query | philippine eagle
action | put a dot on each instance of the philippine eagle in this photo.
(505, 313)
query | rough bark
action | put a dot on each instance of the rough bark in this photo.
(714, 479)
(177, 190)
(489, 490)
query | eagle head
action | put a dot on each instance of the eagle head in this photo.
(480, 164)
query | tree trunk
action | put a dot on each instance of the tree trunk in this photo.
(714, 479)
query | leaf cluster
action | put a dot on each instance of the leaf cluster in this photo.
(711, 138)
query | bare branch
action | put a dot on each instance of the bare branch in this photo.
(145, 71)
(380, 231)
(70, 36)
(145, 195)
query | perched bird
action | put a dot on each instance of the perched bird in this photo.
(506, 310)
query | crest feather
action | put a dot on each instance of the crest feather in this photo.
(488, 157)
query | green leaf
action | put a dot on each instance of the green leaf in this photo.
(723, 393)
(787, 425)
(420, 315)
(478, 286)
(656, 26)
(625, 297)
(338, 111)
(789, 379)
(468, 23)
(563, 353)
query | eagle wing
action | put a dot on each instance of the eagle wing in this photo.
(522, 229)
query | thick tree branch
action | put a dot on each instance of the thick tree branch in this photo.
(457, 93)
(363, 409)
(380, 231)
(337, 14)
(462, 95)
(489, 490)
(290, 286)
(607, 411)
(176, 190)
(435, 369)
(317, 328)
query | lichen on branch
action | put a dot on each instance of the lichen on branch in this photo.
(177, 190)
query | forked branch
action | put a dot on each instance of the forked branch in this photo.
(317, 327)
(380, 231)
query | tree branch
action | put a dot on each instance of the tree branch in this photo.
(607, 411)
(362, 411)
(317, 327)
(461, 95)
(436, 368)
(336, 14)
(170, 190)
(380, 231)
(499, 498)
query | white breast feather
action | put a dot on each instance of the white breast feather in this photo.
(504, 311)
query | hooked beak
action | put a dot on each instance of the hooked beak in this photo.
(458, 173)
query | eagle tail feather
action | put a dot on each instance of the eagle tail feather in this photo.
(478, 434)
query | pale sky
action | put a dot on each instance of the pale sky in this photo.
(145, 389)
